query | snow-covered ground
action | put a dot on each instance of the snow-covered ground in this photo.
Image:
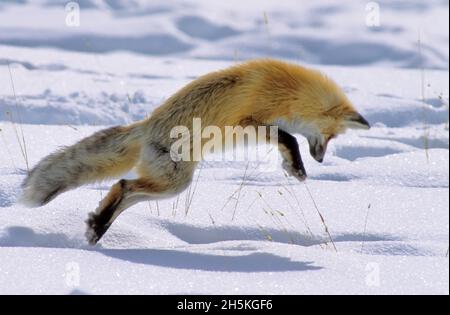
(239, 230)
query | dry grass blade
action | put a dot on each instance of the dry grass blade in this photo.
(150, 207)
(239, 192)
(20, 139)
(327, 230)
(244, 182)
(365, 227)
(273, 214)
(190, 196)
(303, 216)
(175, 206)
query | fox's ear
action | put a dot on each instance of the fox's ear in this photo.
(356, 121)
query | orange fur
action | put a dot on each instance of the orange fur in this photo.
(264, 90)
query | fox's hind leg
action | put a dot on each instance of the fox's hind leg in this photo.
(160, 178)
(122, 195)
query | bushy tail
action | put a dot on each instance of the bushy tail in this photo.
(107, 153)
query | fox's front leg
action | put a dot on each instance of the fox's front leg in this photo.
(292, 159)
(288, 147)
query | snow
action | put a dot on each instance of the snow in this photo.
(383, 193)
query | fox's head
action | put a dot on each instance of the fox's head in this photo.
(320, 111)
(322, 130)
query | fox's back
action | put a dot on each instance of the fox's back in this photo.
(261, 89)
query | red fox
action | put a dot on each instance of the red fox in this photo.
(256, 93)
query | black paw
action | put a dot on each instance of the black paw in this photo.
(95, 229)
(295, 172)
